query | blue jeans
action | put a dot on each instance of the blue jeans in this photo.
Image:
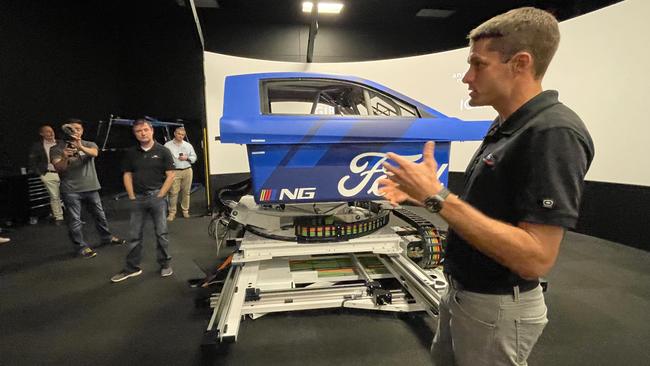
(73, 217)
(148, 203)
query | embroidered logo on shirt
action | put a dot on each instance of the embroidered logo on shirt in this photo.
(547, 203)
(489, 160)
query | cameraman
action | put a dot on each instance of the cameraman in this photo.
(74, 160)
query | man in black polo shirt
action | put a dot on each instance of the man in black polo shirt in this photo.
(523, 188)
(148, 174)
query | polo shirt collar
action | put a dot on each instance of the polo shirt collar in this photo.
(143, 150)
(526, 112)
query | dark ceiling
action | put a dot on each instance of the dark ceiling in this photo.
(385, 12)
(392, 26)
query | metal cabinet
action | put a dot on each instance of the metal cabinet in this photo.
(38, 199)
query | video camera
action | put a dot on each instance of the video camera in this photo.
(69, 137)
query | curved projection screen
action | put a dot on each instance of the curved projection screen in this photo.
(598, 70)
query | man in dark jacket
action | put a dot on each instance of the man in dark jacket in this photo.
(39, 162)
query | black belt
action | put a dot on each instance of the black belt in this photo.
(189, 167)
(52, 171)
(149, 193)
(495, 290)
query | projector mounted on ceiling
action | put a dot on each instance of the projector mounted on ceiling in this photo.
(434, 13)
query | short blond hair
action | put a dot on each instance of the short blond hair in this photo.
(525, 29)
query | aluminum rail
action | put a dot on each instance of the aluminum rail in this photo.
(415, 280)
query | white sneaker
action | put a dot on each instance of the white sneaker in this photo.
(4, 240)
(166, 271)
(124, 275)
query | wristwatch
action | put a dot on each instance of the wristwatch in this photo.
(434, 203)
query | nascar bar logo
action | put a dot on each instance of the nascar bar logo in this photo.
(267, 194)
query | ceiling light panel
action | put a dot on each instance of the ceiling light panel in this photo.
(323, 8)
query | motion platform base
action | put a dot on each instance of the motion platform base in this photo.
(379, 282)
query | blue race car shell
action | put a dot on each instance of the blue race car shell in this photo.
(322, 138)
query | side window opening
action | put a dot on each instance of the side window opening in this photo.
(330, 97)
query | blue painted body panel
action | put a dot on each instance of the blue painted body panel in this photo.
(329, 158)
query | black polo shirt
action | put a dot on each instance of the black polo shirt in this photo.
(148, 167)
(529, 168)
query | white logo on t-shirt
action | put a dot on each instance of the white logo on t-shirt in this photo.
(547, 203)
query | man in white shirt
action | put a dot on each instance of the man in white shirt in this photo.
(39, 161)
(184, 157)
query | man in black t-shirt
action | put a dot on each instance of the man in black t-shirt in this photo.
(522, 190)
(148, 173)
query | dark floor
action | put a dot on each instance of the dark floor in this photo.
(55, 309)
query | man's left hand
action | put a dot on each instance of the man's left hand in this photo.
(415, 180)
(391, 192)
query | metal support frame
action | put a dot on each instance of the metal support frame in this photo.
(416, 281)
(257, 282)
(113, 120)
(254, 248)
(313, 30)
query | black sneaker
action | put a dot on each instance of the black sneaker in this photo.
(87, 253)
(124, 275)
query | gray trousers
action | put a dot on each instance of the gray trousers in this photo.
(481, 329)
